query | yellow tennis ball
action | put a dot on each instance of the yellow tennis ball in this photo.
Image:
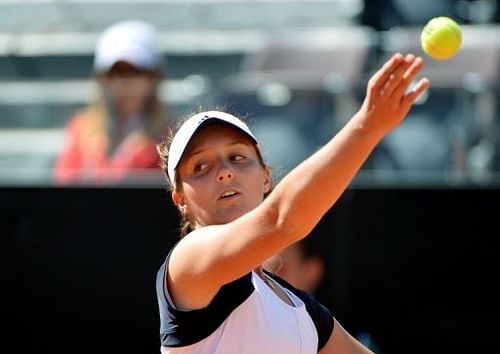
(441, 38)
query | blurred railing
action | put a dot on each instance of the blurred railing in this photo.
(25, 16)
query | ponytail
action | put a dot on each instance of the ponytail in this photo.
(186, 226)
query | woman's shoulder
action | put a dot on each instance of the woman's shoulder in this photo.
(180, 327)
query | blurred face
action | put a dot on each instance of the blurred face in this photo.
(221, 177)
(292, 265)
(129, 88)
(292, 268)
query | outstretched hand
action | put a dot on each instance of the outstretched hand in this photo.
(388, 99)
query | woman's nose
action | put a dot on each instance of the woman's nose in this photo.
(224, 173)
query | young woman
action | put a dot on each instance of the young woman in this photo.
(117, 135)
(214, 296)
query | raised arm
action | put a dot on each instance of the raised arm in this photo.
(212, 256)
(308, 191)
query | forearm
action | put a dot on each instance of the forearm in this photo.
(313, 187)
(304, 195)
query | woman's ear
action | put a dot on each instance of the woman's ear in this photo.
(178, 199)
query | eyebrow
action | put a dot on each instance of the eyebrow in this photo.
(203, 149)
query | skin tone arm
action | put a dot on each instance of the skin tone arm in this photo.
(212, 256)
(385, 106)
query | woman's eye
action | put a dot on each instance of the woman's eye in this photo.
(200, 167)
(237, 158)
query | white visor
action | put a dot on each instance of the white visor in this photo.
(190, 127)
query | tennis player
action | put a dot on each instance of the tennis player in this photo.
(213, 294)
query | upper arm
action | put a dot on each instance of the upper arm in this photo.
(341, 342)
(215, 255)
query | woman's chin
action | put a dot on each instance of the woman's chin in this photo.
(229, 216)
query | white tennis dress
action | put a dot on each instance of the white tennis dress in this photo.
(245, 317)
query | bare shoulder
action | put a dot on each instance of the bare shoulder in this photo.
(186, 282)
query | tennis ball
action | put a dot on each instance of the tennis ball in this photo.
(441, 38)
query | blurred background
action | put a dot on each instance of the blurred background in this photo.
(410, 252)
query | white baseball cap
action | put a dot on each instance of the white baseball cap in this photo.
(190, 127)
(132, 41)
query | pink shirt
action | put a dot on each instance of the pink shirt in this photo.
(78, 162)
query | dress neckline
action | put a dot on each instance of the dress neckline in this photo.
(279, 291)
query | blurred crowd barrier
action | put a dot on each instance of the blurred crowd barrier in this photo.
(296, 69)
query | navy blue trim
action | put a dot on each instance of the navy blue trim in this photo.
(320, 315)
(180, 328)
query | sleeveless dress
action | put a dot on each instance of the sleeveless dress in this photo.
(245, 317)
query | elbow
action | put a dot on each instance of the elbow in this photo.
(287, 224)
(295, 228)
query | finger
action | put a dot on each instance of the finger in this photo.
(419, 88)
(395, 78)
(408, 76)
(380, 77)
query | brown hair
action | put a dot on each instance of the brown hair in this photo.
(99, 115)
(163, 150)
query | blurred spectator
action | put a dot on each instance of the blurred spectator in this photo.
(116, 136)
(300, 264)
